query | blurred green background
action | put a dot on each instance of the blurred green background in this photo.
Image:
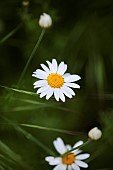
(82, 37)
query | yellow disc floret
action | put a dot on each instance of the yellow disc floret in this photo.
(68, 159)
(55, 80)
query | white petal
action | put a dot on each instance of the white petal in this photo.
(60, 167)
(40, 82)
(69, 90)
(56, 93)
(39, 86)
(73, 85)
(62, 68)
(72, 78)
(40, 74)
(81, 164)
(46, 69)
(61, 95)
(68, 147)
(65, 68)
(83, 156)
(77, 151)
(75, 167)
(59, 146)
(66, 75)
(78, 144)
(49, 158)
(55, 65)
(56, 161)
(50, 67)
(42, 89)
(69, 167)
(43, 94)
(66, 92)
(49, 94)
(34, 75)
(52, 160)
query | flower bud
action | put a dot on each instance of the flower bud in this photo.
(25, 3)
(45, 21)
(95, 133)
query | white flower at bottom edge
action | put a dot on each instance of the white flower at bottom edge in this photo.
(70, 161)
(54, 81)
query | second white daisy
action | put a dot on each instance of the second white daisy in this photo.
(54, 81)
(72, 160)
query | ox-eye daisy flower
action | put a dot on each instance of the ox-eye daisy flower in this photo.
(67, 161)
(54, 81)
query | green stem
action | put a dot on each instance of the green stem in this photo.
(79, 147)
(31, 56)
(33, 139)
(10, 33)
(50, 129)
(29, 136)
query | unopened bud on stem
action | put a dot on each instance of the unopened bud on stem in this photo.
(95, 133)
(25, 3)
(45, 21)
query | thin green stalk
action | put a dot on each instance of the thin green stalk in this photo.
(2, 168)
(3, 157)
(52, 129)
(10, 33)
(79, 147)
(29, 136)
(5, 166)
(31, 56)
(33, 139)
(9, 152)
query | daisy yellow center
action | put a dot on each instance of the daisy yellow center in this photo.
(55, 80)
(68, 159)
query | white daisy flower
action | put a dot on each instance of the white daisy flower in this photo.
(70, 161)
(54, 81)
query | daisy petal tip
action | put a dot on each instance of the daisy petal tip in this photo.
(64, 101)
(54, 60)
(47, 98)
(79, 78)
(74, 94)
(33, 74)
(57, 99)
(41, 96)
(88, 155)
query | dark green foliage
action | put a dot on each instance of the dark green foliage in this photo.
(82, 36)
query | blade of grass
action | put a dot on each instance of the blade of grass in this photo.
(48, 104)
(52, 129)
(29, 136)
(5, 149)
(1, 167)
(12, 155)
(5, 166)
(20, 91)
(31, 56)
(5, 158)
(10, 33)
